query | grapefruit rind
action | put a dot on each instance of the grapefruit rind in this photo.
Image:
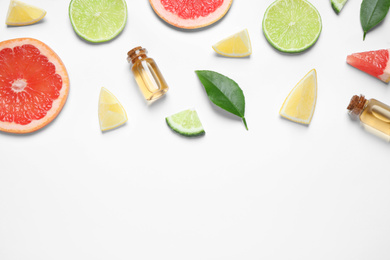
(57, 105)
(199, 22)
(295, 102)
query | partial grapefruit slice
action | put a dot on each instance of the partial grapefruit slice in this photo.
(375, 63)
(189, 14)
(34, 85)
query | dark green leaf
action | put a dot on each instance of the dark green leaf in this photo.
(372, 12)
(223, 92)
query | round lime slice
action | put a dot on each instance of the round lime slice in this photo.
(292, 25)
(186, 123)
(98, 21)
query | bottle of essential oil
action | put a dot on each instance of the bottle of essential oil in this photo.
(148, 76)
(374, 115)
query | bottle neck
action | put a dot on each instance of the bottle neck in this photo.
(356, 105)
(138, 53)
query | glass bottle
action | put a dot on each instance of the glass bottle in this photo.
(147, 75)
(374, 115)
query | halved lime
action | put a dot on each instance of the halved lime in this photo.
(338, 5)
(98, 20)
(292, 25)
(186, 123)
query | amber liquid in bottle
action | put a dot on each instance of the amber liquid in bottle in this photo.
(373, 114)
(147, 74)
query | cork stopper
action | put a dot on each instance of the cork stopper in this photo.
(356, 105)
(136, 53)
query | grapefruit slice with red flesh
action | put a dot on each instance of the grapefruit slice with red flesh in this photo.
(190, 14)
(375, 63)
(34, 85)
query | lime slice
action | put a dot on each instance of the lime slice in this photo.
(338, 5)
(98, 21)
(186, 123)
(292, 25)
(300, 104)
(111, 112)
(236, 45)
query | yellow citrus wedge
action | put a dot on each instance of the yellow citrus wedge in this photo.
(111, 112)
(236, 45)
(20, 14)
(300, 104)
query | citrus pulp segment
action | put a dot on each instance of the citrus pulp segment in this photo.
(337, 5)
(292, 25)
(34, 85)
(98, 21)
(189, 14)
(236, 45)
(20, 14)
(186, 123)
(300, 104)
(111, 112)
(376, 63)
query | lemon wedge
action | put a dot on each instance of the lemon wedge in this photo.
(111, 112)
(236, 45)
(300, 104)
(20, 14)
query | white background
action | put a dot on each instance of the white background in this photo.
(278, 191)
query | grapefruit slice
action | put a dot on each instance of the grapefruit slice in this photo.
(375, 63)
(190, 14)
(34, 85)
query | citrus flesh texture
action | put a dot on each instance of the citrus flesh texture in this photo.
(111, 112)
(34, 85)
(300, 104)
(98, 21)
(376, 63)
(292, 25)
(337, 5)
(236, 45)
(20, 14)
(186, 123)
(190, 14)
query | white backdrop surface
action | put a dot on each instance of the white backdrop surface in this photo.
(278, 191)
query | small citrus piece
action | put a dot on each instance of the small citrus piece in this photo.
(20, 14)
(186, 123)
(111, 112)
(337, 5)
(292, 25)
(300, 104)
(98, 21)
(236, 45)
(34, 85)
(376, 63)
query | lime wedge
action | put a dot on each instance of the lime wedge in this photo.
(98, 21)
(292, 25)
(338, 5)
(186, 123)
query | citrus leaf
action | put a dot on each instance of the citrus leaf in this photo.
(372, 12)
(223, 92)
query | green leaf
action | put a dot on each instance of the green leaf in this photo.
(372, 12)
(223, 92)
